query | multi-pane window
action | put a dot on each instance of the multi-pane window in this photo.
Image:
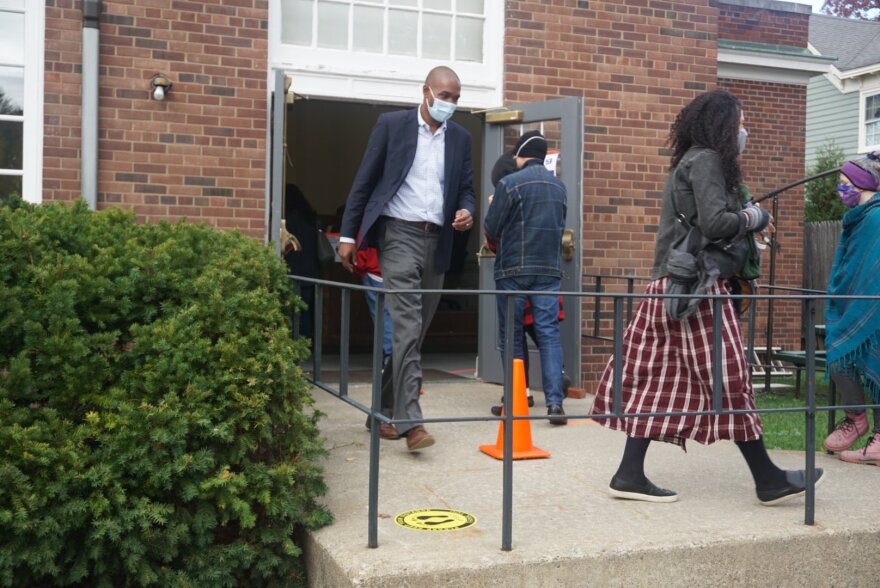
(446, 30)
(21, 97)
(380, 50)
(12, 100)
(871, 117)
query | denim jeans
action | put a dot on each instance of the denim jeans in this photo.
(371, 303)
(545, 311)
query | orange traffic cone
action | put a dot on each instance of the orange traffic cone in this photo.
(522, 430)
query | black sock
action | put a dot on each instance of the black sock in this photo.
(632, 465)
(764, 471)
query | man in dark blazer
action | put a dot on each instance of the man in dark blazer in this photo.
(413, 189)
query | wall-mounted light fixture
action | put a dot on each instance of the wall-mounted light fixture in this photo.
(160, 85)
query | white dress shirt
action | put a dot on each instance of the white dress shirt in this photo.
(420, 197)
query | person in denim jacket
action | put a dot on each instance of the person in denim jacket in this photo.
(524, 227)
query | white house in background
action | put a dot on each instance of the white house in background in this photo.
(843, 105)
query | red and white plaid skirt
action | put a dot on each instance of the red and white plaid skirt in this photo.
(667, 367)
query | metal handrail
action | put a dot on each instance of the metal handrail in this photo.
(597, 301)
(507, 417)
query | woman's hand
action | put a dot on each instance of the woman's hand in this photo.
(756, 218)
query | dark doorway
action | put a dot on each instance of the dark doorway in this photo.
(326, 140)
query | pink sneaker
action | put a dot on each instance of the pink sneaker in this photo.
(870, 455)
(847, 432)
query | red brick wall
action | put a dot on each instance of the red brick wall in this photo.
(775, 117)
(62, 100)
(201, 152)
(774, 157)
(636, 64)
(762, 25)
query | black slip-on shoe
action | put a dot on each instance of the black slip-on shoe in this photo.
(646, 492)
(557, 415)
(796, 485)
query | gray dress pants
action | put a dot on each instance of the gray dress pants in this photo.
(406, 257)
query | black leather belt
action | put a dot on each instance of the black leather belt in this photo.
(421, 225)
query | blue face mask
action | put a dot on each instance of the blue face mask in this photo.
(741, 140)
(440, 111)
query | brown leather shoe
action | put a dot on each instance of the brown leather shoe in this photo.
(418, 438)
(387, 431)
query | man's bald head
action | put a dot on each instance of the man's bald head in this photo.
(442, 75)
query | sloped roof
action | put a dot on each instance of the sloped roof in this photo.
(855, 43)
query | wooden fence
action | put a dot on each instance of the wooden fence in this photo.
(820, 243)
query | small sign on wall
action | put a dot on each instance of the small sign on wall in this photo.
(550, 161)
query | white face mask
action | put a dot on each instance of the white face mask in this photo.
(440, 110)
(741, 140)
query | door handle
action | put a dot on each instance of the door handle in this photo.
(289, 242)
(568, 244)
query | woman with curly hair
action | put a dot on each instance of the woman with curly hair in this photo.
(667, 363)
(852, 327)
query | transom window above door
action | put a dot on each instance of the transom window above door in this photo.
(395, 41)
(450, 30)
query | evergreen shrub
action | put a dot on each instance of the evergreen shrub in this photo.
(153, 422)
(821, 200)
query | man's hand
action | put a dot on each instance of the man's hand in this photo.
(463, 220)
(348, 255)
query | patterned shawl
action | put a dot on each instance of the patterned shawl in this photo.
(852, 327)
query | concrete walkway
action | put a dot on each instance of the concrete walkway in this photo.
(566, 530)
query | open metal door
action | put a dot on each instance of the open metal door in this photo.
(562, 123)
(276, 138)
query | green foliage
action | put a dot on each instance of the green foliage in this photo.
(11, 199)
(152, 425)
(785, 430)
(822, 201)
(860, 9)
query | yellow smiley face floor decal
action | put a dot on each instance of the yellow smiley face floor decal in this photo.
(435, 519)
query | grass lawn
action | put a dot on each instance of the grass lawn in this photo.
(786, 430)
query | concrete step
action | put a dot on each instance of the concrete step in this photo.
(566, 530)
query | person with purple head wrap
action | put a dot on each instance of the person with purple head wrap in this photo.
(852, 326)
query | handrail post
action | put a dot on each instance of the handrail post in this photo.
(344, 336)
(629, 301)
(317, 331)
(717, 378)
(597, 301)
(376, 402)
(507, 466)
(832, 388)
(753, 313)
(617, 382)
(297, 291)
(773, 247)
(810, 428)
